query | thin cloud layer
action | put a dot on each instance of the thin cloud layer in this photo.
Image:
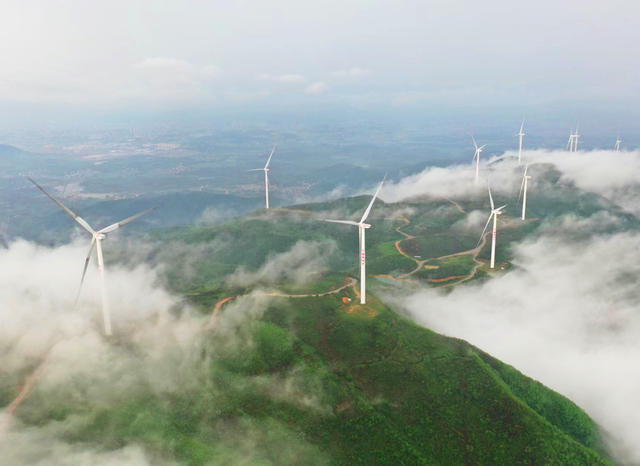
(318, 87)
(614, 175)
(69, 52)
(567, 316)
(161, 349)
(611, 174)
(304, 262)
(455, 182)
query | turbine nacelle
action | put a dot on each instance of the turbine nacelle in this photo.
(498, 211)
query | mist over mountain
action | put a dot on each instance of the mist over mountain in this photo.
(325, 233)
(203, 313)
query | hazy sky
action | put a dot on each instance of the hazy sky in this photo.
(120, 54)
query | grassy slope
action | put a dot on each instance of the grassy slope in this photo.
(385, 391)
(437, 399)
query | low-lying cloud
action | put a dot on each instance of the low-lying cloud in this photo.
(568, 315)
(611, 174)
(304, 262)
(161, 349)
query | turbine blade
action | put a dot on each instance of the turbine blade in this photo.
(270, 155)
(482, 147)
(521, 188)
(256, 170)
(522, 126)
(491, 198)
(117, 225)
(77, 218)
(366, 212)
(524, 176)
(84, 270)
(474, 142)
(501, 207)
(346, 222)
(485, 229)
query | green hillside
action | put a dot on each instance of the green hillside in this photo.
(304, 379)
(323, 381)
(426, 240)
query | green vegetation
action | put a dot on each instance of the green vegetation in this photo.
(320, 381)
(453, 266)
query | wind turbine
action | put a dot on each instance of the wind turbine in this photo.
(266, 176)
(96, 241)
(520, 135)
(494, 214)
(571, 140)
(618, 142)
(476, 156)
(523, 190)
(361, 229)
(576, 136)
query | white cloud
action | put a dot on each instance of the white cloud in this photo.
(454, 182)
(353, 73)
(316, 88)
(304, 262)
(164, 62)
(291, 78)
(157, 351)
(568, 315)
(41, 447)
(288, 78)
(171, 79)
(88, 51)
(611, 174)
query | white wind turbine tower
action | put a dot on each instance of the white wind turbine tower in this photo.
(96, 241)
(523, 191)
(476, 157)
(361, 229)
(618, 142)
(266, 176)
(494, 214)
(520, 135)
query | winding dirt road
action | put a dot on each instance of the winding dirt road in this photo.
(350, 282)
(421, 262)
(26, 388)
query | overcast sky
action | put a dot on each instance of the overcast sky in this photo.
(119, 54)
